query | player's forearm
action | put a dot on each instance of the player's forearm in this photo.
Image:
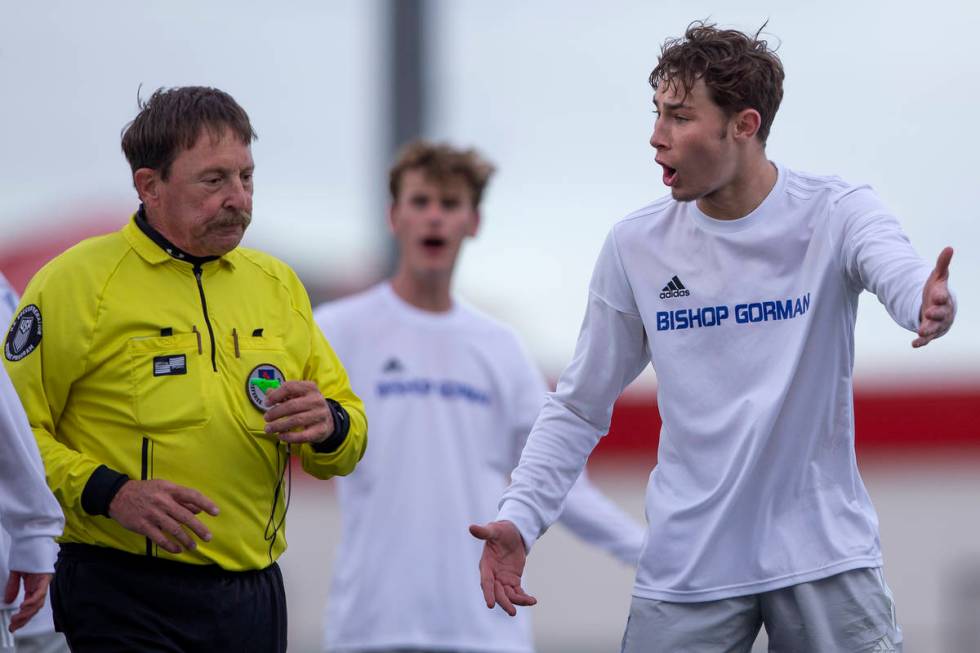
(878, 256)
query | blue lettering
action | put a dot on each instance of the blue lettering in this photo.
(663, 323)
(806, 302)
(769, 310)
(681, 316)
(784, 310)
(755, 312)
(722, 313)
(708, 316)
(798, 309)
(741, 313)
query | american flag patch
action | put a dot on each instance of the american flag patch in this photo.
(169, 365)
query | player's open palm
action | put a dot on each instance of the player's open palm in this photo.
(936, 316)
(502, 565)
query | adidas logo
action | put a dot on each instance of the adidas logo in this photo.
(884, 645)
(393, 365)
(674, 288)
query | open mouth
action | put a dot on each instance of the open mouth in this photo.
(670, 174)
(433, 244)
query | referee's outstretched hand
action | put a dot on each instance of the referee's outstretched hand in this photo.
(936, 316)
(163, 512)
(502, 565)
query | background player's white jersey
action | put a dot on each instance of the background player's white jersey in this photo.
(8, 303)
(23, 493)
(749, 324)
(450, 399)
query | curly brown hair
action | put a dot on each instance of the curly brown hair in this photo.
(171, 120)
(740, 71)
(441, 163)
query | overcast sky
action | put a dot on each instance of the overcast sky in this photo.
(554, 92)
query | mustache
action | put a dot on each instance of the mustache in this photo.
(232, 219)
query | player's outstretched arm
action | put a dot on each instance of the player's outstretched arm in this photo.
(936, 316)
(502, 565)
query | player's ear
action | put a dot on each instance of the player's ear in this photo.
(474, 225)
(391, 218)
(746, 123)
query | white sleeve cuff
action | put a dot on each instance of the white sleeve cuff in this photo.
(524, 519)
(34, 554)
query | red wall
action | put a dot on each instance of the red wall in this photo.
(886, 421)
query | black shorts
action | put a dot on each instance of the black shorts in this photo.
(108, 601)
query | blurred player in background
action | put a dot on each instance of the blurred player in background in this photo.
(30, 519)
(451, 395)
(742, 289)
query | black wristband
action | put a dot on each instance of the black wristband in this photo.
(101, 489)
(341, 426)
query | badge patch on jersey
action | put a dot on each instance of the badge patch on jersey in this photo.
(262, 379)
(24, 335)
(170, 365)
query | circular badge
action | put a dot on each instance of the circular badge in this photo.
(24, 335)
(262, 379)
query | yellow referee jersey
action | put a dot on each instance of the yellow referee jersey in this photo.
(128, 357)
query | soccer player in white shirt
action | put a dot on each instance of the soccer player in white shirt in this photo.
(741, 288)
(451, 395)
(30, 518)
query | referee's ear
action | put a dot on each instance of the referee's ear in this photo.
(147, 183)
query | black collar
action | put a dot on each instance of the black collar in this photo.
(165, 244)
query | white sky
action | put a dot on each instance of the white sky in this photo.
(553, 91)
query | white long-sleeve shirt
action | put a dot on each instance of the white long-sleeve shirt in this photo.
(450, 399)
(749, 324)
(30, 517)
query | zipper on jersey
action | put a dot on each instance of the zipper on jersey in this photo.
(144, 475)
(204, 306)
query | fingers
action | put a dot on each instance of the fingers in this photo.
(22, 616)
(518, 596)
(190, 497)
(508, 596)
(177, 517)
(183, 518)
(35, 589)
(315, 433)
(158, 535)
(936, 321)
(928, 334)
(942, 263)
(486, 583)
(300, 413)
(164, 513)
(481, 532)
(925, 340)
(939, 313)
(291, 390)
(13, 586)
(310, 425)
(500, 594)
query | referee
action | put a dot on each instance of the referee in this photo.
(168, 375)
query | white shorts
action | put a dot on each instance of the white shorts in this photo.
(851, 612)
